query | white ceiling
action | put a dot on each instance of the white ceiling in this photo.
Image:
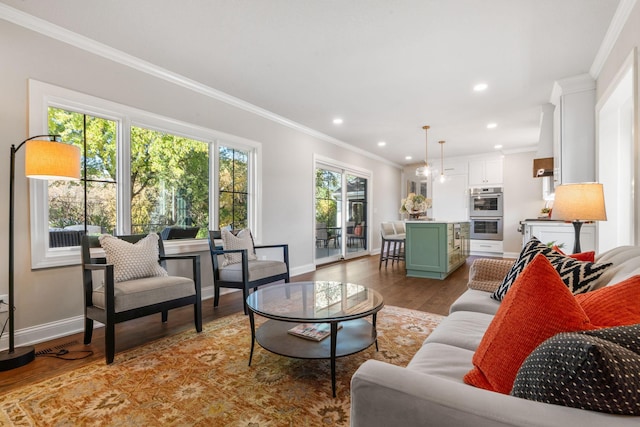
(387, 67)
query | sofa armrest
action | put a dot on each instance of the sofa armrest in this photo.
(387, 395)
(486, 274)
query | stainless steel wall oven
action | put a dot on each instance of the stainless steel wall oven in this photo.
(485, 202)
(486, 228)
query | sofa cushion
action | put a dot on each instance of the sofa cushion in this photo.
(614, 305)
(442, 360)
(462, 329)
(597, 370)
(625, 265)
(474, 300)
(537, 307)
(132, 260)
(578, 276)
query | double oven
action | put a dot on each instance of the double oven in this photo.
(485, 213)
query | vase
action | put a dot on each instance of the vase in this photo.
(415, 215)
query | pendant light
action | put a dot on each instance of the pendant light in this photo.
(442, 178)
(424, 170)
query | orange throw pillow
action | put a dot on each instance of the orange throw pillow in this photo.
(538, 306)
(582, 256)
(615, 305)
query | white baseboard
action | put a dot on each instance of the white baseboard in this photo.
(302, 270)
(45, 332)
(62, 328)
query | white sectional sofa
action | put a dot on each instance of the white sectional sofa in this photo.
(430, 391)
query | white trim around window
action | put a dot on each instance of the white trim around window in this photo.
(43, 95)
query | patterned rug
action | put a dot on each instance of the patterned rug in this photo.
(203, 380)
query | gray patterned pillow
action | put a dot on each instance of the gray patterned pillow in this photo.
(243, 240)
(132, 261)
(595, 370)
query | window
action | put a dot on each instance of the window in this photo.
(141, 173)
(96, 138)
(169, 182)
(233, 188)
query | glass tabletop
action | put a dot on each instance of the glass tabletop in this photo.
(321, 301)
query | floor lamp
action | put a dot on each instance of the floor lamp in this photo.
(45, 158)
(579, 203)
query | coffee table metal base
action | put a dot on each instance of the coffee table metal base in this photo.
(354, 336)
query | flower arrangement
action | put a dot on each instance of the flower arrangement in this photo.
(414, 205)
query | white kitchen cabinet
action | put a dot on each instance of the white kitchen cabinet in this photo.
(486, 247)
(485, 172)
(561, 234)
(574, 130)
(450, 199)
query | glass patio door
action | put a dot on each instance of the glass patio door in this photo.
(328, 227)
(341, 227)
(356, 225)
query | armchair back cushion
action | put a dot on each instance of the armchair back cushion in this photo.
(132, 260)
(243, 240)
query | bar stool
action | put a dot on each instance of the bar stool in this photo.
(392, 247)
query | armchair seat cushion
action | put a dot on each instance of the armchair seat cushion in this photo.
(143, 292)
(258, 269)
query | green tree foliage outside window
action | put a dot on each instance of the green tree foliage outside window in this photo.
(169, 177)
(169, 182)
(233, 185)
(327, 194)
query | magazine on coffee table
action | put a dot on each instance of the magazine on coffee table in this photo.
(312, 331)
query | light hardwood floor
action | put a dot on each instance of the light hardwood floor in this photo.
(429, 295)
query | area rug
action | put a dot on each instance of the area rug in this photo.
(204, 380)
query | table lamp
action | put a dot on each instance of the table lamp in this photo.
(578, 203)
(45, 158)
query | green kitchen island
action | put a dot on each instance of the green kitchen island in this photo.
(434, 249)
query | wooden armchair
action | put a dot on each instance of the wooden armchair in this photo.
(239, 268)
(133, 284)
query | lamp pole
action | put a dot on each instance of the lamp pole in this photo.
(15, 357)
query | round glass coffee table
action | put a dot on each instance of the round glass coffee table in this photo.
(336, 309)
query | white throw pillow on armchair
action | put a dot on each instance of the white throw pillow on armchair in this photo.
(242, 240)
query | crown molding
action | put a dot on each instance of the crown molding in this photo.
(59, 33)
(620, 18)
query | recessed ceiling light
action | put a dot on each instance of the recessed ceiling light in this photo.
(480, 87)
(337, 121)
(497, 147)
(408, 158)
(381, 144)
(492, 125)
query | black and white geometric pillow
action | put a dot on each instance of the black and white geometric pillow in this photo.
(594, 370)
(529, 251)
(579, 276)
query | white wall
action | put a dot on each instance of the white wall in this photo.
(53, 295)
(627, 41)
(522, 198)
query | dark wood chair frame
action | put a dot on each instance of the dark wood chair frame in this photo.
(245, 284)
(107, 315)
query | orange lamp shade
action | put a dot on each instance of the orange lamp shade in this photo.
(52, 160)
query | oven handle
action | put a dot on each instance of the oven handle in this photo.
(486, 218)
(486, 196)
